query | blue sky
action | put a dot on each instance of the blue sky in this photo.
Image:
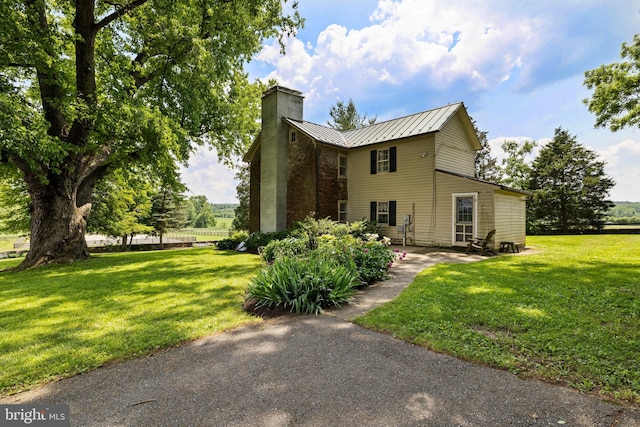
(517, 65)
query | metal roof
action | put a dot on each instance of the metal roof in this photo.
(320, 133)
(403, 127)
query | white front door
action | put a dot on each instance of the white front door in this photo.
(464, 218)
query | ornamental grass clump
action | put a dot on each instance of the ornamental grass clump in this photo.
(306, 285)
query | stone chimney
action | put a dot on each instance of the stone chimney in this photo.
(277, 103)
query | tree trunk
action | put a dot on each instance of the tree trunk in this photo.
(58, 225)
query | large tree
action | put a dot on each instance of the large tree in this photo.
(486, 166)
(346, 116)
(199, 212)
(87, 86)
(616, 90)
(516, 168)
(569, 185)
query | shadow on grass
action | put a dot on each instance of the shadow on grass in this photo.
(577, 322)
(61, 320)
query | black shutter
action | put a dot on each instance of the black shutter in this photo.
(374, 162)
(392, 213)
(373, 211)
(392, 159)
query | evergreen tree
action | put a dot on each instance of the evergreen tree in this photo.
(167, 212)
(569, 185)
(346, 117)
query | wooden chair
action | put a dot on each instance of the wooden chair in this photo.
(482, 245)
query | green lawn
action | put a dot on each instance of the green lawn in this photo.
(569, 313)
(204, 234)
(6, 242)
(58, 321)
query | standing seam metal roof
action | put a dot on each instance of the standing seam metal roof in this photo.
(404, 127)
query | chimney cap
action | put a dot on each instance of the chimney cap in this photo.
(282, 89)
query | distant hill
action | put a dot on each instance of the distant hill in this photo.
(624, 213)
(224, 210)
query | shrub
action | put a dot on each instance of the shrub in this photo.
(373, 260)
(363, 227)
(305, 285)
(232, 242)
(226, 244)
(257, 240)
(289, 247)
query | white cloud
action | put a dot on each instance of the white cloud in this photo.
(436, 43)
(622, 165)
(518, 66)
(206, 176)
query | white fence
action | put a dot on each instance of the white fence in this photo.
(97, 241)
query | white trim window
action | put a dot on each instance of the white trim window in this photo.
(383, 212)
(342, 166)
(383, 160)
(342, 211)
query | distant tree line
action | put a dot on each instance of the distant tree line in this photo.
(567, 185)
(624, 213)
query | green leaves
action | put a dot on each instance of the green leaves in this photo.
(304, 285)
(90, 87)
(615, 100)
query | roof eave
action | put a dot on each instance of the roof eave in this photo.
(253, 148)
(494, 184)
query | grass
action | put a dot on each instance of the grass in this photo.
(219, 232)
(58, 321)
(6, 242)
(568, 314)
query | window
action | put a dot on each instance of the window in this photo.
(383, 160)
(293, 136)
(342, 166)
(342, 211)
(384, 212)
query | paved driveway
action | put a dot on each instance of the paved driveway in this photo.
(318, 371)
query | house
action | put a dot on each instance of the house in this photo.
(414, 175)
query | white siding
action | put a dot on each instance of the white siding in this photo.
(411, 186)
(446, 186)
(454, 150)
(510, 214)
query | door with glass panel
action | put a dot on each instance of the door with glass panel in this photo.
(464, 220)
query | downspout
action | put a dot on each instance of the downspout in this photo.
(317, 166)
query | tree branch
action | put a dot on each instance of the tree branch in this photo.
(51, 91)
(118, 13)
